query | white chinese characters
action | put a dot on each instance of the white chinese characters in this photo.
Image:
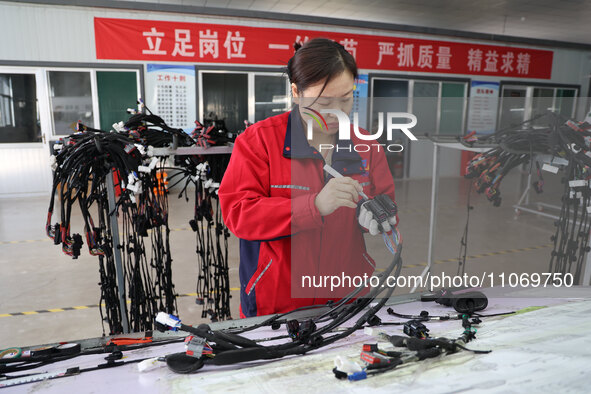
(182, 39)
(154, 39)
(184, 46)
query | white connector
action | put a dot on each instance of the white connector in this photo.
(53, 162)
(577, 183)
(153, 163)
(168, 320)
(136, 187)
(119, 127)
(344, 365)
(549, 168)
(372, 331)
(149, 364)
(141, 149)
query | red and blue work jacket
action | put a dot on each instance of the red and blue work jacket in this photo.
(288, 251)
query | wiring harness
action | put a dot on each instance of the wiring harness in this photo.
(86, 163)
(225, 347)
(562, 145)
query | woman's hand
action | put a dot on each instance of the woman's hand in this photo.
(338, 192)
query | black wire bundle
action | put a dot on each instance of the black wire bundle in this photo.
(231, 348)
(82, 167)
(566, 140)
(213, 281)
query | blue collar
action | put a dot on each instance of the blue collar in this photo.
(344, 159)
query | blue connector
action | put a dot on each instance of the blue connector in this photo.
(168, 320)
(357, 376)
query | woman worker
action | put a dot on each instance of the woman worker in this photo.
(298, 225)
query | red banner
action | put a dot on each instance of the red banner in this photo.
(129, 39)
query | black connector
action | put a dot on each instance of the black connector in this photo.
(416, 329)
(293, 327)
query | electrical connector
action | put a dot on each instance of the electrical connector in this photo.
(416, 329)
(194, 346)
(150, 364)
(168, 320)
(344, 365)
(357, 376)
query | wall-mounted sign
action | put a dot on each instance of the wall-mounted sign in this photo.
(360, 92)
(484, 101)
(130, 39)
(170, 91)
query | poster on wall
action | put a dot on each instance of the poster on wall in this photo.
(484, 101)
(171, 94)
(360, 91)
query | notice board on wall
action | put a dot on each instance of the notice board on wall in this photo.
(484, 101)
(171, 94)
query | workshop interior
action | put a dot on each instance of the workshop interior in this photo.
(263, 195)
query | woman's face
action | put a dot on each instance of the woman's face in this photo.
(338, 94)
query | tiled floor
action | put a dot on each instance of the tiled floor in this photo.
(35, 275)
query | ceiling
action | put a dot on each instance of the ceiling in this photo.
(564, 20)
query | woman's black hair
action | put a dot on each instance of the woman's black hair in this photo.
(319, 59)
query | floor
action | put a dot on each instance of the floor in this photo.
(35, 275)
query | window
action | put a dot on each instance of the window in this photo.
(242, 95)
(520, 103)
(19, 115)
(97, 98)
(71, 100)
(512, 107)
(270, 96)
(117, 91)
(225, 97)
(440, 108)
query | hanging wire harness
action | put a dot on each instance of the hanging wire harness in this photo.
(84, 164)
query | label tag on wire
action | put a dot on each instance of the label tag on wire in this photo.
(549, 168)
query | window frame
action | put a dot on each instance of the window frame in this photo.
(529, 89)
(411, 81)
(93, 89)
(251, 72)
(43, 109)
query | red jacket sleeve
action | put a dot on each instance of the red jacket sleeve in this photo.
(247, 207)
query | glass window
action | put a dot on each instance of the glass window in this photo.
(541, 104)
(513, 107)
(452, 108)
(225, 95)
(71, 100)
(270, 96)
(390, 96)
(565, 102)
(19, 116)
(424, 107)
